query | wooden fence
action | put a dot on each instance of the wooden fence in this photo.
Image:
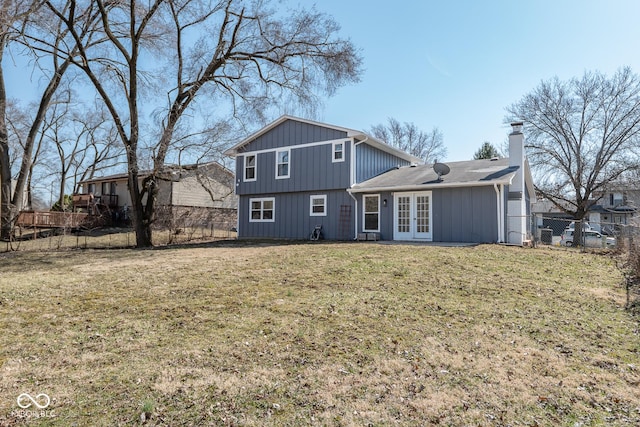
(48, 219)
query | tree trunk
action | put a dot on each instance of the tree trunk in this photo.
(141, 223)
(6, 211)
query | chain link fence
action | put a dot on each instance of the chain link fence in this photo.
(42, 239)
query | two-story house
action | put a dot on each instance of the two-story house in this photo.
(615, 206)
(295, 174)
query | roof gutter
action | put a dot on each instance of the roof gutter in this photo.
(419, 187)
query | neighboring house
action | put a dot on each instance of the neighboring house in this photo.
(296, 174)
(203, 192)
(611, 208)
(616, 206)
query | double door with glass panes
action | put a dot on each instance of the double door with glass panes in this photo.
(412, 216)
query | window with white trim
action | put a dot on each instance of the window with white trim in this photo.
(318, 205)
(250, 167)
(282, 163)
(262, 210)
(371, 212)
(338, 152)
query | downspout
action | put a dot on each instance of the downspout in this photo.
(498, 210)
(353, 181)
(355, 218)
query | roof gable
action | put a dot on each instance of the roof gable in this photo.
(338, 132)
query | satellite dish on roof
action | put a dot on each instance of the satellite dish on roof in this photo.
(441, 169)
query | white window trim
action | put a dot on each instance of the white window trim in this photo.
(262, 200)
(324, 205)
(255, 168)
(333, 151)
(288, 151)
(364, 212)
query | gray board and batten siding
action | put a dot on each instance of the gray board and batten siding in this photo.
(311, 173)
(459, 214)
(371, 162)
(290, 133)
(292, 219)
(465, 214)
(311, 169)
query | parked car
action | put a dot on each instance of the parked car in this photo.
(592, 239)
(585, 226)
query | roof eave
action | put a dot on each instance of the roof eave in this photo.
(233, 151)
(425, 187)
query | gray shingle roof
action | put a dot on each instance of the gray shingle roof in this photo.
(423, 177)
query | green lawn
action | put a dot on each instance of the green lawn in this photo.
(317, 334)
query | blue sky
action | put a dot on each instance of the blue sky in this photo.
(458, 64)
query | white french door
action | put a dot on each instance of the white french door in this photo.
(412, 216)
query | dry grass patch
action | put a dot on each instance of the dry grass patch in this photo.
(322, 334)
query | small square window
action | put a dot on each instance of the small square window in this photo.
(318, 206)
(261, 210)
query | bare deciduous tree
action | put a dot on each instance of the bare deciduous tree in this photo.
(428, 146)
(246, 56)
(12, 14)
(580, 135)
(32, 26)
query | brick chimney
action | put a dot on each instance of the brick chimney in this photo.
(516, 201)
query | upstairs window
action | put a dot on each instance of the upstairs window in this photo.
(250, 168)
(338, 152)
(282, 164)
(616, 199)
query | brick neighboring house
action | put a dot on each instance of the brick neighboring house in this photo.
(188, 195)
